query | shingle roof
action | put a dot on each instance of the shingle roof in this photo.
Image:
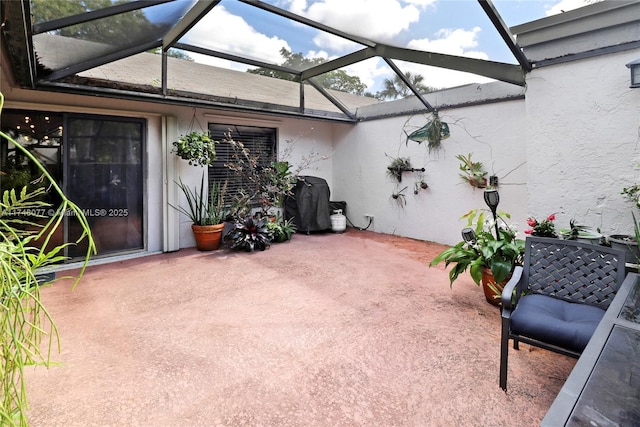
(145, 69)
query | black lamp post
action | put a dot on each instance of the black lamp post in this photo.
(492, 199)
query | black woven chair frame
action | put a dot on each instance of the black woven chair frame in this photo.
(572, 271)
(564, 269)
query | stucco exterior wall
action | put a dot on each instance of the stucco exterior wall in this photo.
(298, 142)
(493, 133)
(583, 141)
(308, 139)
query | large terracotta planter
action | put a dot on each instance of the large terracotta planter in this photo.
(207, 236)
(492, 290)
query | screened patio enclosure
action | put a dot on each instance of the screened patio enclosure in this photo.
(242, 63)
(104, 47)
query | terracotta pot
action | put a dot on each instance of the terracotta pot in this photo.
(207, 236)
(492, 290)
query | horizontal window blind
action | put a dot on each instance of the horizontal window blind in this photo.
(260, 141)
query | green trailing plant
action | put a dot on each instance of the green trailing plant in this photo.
(24, 321)
(473, 173)
(203, 208)
(249, 234)
(197, 148)
(499, 255)
(281, 230)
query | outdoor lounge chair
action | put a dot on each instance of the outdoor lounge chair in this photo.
(561, 293)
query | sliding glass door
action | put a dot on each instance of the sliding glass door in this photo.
(104, 176)
(98, 161)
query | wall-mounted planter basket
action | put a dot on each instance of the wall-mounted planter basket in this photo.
(473, 173)
(400, 198)
(397, 172)
(434, 131)
(419, 185)
(397, 166)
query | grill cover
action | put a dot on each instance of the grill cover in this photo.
(309, 205)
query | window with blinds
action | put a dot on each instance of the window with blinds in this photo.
(259, 141)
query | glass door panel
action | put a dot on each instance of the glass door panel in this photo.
(41, 134)
(104, 176)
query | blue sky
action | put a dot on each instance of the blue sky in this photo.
(457, 27)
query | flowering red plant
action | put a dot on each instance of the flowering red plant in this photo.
(545, 228)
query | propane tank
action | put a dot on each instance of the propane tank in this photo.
(338, 221)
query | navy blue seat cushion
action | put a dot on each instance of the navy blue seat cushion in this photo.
(554, 321)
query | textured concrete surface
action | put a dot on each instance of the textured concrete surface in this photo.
(348, 329)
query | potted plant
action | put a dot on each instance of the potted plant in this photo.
(198, 148)
(490, 260)
(581, 233)
(281, 230)
(629, 242)
(544, 228)
(250, 233)
(207, 212)
(473, 173)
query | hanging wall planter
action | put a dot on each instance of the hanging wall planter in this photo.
(400, 198)
(419, 185)
(433, 132)
(473, 173)
(400, 165)
(198, 148)
(397, 166)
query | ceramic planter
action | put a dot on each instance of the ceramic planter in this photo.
(492, 290)
(207, 236)
(583, 236)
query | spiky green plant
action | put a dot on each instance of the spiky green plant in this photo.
(24, 321)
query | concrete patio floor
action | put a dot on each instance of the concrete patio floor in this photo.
(349, 329)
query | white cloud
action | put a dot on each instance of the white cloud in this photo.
(318, 54)
(452, 42)
(234, 35)
(567, 5)
(441, 77)
(369, 72)
(354, 16)
(220, 30)
(457, 42)
(335, 43)
(421, 3)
